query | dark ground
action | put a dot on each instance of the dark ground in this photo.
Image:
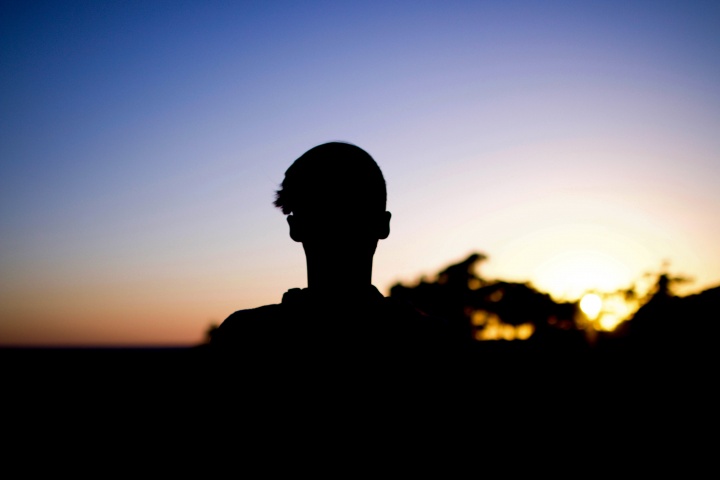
(121, 407)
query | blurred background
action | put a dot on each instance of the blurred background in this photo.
(564, 151)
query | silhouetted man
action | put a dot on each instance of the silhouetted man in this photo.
(335, 199)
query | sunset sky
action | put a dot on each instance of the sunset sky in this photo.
(577, 144)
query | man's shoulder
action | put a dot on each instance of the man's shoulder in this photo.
(254, 314)
(406, 311)
(248, 324)
(425, 330)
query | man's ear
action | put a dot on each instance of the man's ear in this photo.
(295, 228)
(384, 227)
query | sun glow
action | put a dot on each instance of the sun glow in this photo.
(572, 273)
(616, 309)
(606, 311)
(591, 305)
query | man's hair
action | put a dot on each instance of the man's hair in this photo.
(335, 176)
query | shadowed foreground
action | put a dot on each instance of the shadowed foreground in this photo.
(500, 395)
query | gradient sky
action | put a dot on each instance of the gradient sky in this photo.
(576, 143)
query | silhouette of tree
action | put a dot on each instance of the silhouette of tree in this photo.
(461, 295)
(666, 324)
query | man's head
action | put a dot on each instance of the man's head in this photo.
(335, 192)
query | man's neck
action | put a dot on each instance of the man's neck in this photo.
(339, 277)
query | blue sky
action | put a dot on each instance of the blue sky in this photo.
(141, 143)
